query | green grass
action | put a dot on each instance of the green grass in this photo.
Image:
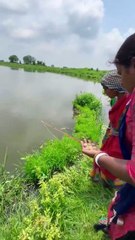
(87, 126)
(54, 156)
(88, 74)
(87, 205)
(87, 115)
(64, 207)
(87, 100)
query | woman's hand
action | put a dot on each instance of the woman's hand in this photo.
(89, 149)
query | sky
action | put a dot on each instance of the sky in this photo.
(72, 33)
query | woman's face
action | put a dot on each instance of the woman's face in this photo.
(127, 76)
(111, 93)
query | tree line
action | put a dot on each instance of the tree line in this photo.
(28, 59)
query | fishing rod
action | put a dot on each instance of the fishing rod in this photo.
(48, 126)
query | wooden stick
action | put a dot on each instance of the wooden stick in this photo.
(68, 135)
(45, 125)
(59, 130)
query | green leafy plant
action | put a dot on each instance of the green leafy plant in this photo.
(53, 157)
(87, 100)
(87, 125)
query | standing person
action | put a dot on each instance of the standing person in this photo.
(111, 84)
(121, 213)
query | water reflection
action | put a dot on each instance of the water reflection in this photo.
(27, 98)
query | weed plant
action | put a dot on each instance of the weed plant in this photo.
(87, 126)
(88, 122)
(64, 207)
(54, 156)
(88, 100)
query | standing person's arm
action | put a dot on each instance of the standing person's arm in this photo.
(123, 169)
(117, 167)
(131, 163)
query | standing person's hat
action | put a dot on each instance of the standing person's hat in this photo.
(112, 80)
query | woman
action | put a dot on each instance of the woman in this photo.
(111, 83)
(121, 214)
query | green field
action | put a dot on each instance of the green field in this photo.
(88, 74)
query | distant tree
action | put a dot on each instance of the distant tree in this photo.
(40, 63)
(13, 59)
(29, 59)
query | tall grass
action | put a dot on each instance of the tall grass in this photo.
(87, 125)
(88, 100)
(64, 207)
(88, 122)
(53, 157)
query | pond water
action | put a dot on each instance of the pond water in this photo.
(27, 99)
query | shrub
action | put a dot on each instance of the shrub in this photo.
(87, 125)
(87, 100)
(54, 156)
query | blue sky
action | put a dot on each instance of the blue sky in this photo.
(73, 33)
(119, 14)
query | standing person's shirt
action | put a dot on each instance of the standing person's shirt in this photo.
(130, 136)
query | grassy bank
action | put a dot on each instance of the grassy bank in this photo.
(52, 197)
(88, 74)
(64, 207)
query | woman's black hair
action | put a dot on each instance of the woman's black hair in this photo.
(126, 52)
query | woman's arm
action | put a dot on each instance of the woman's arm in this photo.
(117, 167)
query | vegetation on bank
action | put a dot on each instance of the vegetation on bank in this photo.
(52, 197)
(65, 207)
(88, 74)
(88, 123)
(53, 157)
(87, 100)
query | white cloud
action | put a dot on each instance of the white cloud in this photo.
(23, 33)
(14, 5)
(62, 32)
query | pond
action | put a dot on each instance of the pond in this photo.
(27, 99)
